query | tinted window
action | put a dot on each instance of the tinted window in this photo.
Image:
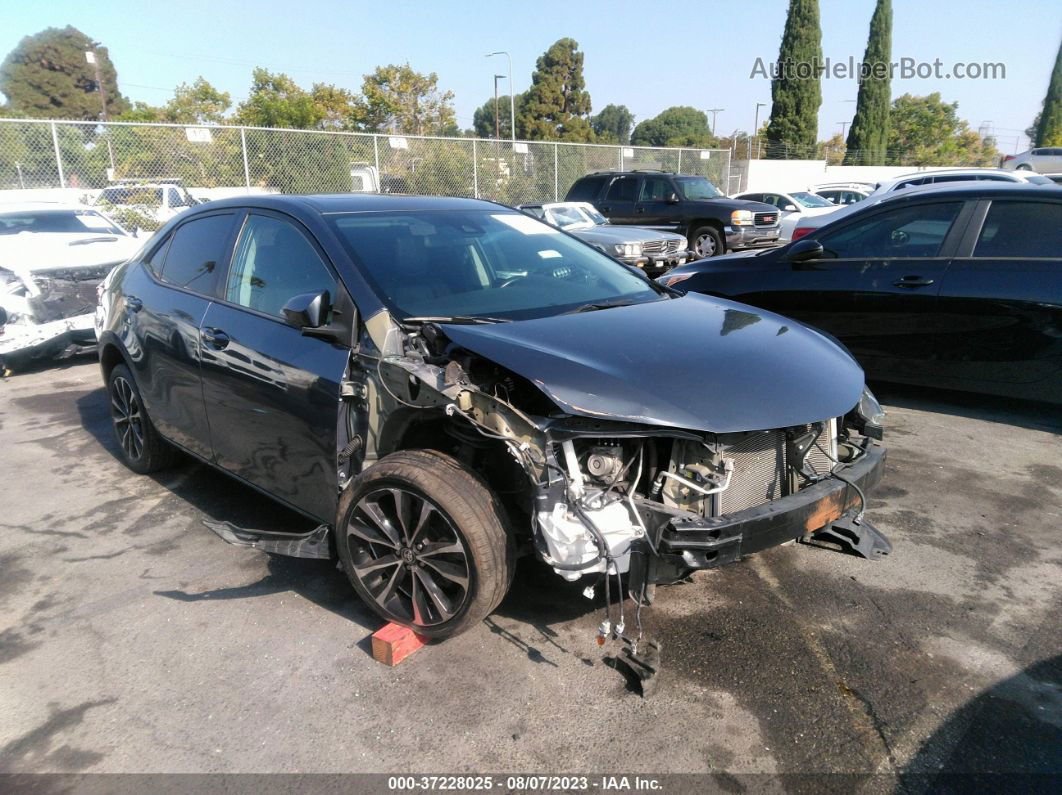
(655, 189)
(623, 189)
(196, 252)
(274, 262)
(952, 178)
(912, 231)
(585, 190)
(1021, 229)
(751, 197)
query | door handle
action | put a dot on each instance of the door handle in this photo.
(133, 304)
(214, 337)
(639, 210)
(606, 209)
(912, 281)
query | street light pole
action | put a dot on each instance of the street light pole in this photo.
(497, 121)
(512, 94)
(844, 124)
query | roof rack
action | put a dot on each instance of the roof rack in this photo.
(630, 171)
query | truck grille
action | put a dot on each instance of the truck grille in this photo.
(766, 219)
(759, 470)
(674, 246)
(654, 247)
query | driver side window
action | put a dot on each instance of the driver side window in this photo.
(911, 231)
(273, 263)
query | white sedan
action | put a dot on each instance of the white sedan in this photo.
(793, 205)
(52, 257)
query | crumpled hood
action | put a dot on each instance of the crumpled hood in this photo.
(694, 362)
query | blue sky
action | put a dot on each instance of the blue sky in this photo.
(646, 55)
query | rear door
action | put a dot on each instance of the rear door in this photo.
(620, 199)
(876, 286)
(272, 394)
(1002, 301)
(165, 302)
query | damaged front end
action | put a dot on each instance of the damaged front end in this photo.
(603, 497)
(47, 315)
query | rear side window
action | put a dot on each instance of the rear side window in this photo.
(1021, 229)
(655, 189)
(585, 190)
(623, 189)
(195, 253)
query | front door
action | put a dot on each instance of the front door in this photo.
(655, 206)
(272, 394)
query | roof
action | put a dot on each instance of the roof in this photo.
(966, 190)
(356, 203)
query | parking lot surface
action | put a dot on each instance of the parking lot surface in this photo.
(132, 639)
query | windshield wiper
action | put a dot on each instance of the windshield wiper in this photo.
(601, 305)
(456, 319)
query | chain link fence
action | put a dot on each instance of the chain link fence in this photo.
(213, 161)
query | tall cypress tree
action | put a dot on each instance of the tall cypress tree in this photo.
(557, 106)
(795, 90)
(1049, 130)
(869, 132)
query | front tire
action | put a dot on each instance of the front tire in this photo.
(706, 241)
(423, 541)
(1024, 167)
(142, 449)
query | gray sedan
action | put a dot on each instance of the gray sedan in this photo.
(650, 249)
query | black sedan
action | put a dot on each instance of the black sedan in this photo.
(441, 385)
(950, 287)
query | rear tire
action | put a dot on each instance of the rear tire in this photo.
(1024, 167)
(423, 540)
(706, 241)
(142, 449)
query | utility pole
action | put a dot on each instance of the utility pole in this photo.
(843, 124)
(755, 130)
(497, 120)
(512, 94)
(90, 57)
(714, 112)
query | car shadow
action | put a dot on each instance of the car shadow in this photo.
(1007, 739)
(990, 408)
(219, 497)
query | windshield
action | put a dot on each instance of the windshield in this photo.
(810, 199)
(481, 263)
(591, 212)
(65, 221)
(567, 217)
(694, 188)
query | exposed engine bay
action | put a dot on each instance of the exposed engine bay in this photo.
(47, 314)
(594, 496)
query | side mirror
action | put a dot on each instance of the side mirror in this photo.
(307, 310)
(803, 250)
(789, 208)
(673, 198)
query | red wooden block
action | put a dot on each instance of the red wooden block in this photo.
(392, 643)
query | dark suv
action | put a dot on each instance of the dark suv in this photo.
(689, 205)
(441, 385)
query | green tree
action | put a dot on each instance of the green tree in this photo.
(336, 107)
(199, 103)
(869, 134)
(557, 106)
(276, 100)
(677, 126)
(613, 124)
(48, 76)
(401, 100)
(926, 131)
(483, 117)
(1049, 125)
(795, 90)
